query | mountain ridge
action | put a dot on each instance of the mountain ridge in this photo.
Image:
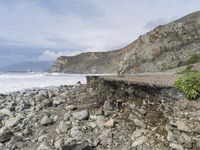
(167, 46)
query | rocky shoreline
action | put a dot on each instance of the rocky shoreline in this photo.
(99, 115)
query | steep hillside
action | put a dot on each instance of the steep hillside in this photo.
(91, 62)
(165, 47)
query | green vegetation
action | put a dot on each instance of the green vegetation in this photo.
(189, 84)
(189, 67)
(193, 59)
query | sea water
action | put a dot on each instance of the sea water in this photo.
(12, 82)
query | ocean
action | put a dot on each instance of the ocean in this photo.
(13, 82)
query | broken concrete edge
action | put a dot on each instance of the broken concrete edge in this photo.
(92, 78)
(168, 91)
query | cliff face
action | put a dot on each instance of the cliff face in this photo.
(91, 62)
(163, 48)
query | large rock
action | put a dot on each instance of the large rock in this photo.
(46, 120)
(76, 132)
(176, 146)
(12, 122)
(106, 138)
(139, 123)
(5, 111)
(5, 135)
(139, 141)
(58, 143)
(79, 146)
(64, 126)
(81, 115)
(44, 146)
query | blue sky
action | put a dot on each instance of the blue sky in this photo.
(33, 30)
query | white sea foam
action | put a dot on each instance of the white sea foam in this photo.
(11, 82)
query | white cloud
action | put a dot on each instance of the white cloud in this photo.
(114, 24)
(49, 55)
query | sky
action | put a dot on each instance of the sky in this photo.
(42, 30)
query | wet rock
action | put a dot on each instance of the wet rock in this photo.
(139, 141)
(81, 115)
(46, 120)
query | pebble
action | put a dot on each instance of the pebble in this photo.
(110, 123)
(70, 107)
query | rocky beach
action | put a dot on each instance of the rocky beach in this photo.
(100, 75)
(99, 115)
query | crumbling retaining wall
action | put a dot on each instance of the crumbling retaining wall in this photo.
(174, 118)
